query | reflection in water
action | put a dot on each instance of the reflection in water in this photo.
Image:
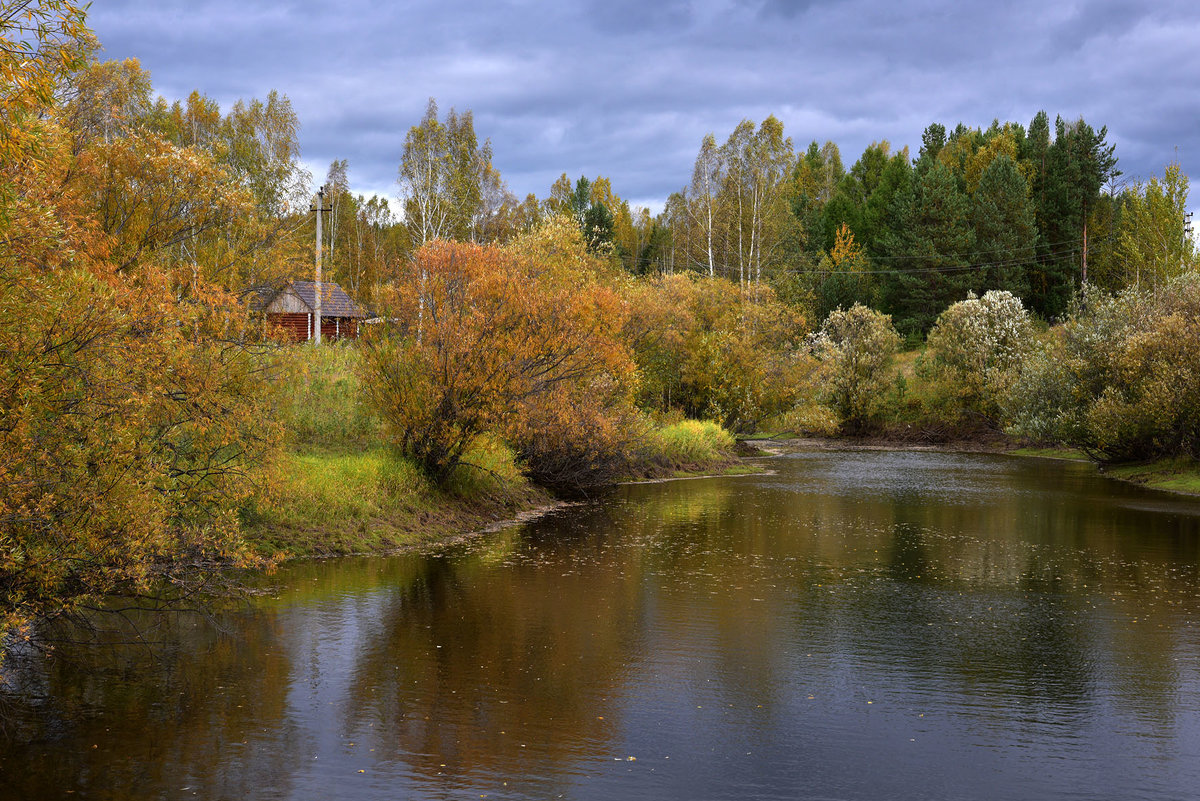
(858, 625)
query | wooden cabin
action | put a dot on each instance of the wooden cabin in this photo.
(292, 309)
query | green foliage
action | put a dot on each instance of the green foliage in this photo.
(843, 277)
(1121, 379)
(1152, 246)
(1005, 228)
(689, 445)
(931, 249)
(1066, 189)
(322, 405)
(712, 349)
(330, 490)
(488, 468)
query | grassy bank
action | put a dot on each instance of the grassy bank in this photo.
(342, 503)
(1052, 452)
(690, 448)
(1171, 475)
(339, 489)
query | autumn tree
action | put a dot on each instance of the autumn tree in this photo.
(132, 424)
(758, 163)
(701, 200)
(483, 336)
(41, 42)
(1152, 245)
(203, 194)
(843, 276)
(713, 349)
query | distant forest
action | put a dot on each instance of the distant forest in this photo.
(1034, 210)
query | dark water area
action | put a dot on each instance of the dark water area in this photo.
(859, 625)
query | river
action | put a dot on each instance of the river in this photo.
(854, 625)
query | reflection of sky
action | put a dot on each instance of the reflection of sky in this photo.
(326, 635)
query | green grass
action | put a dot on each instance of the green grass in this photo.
(329, 489)
(1173, 475)
(373, 501)
(321, 401)
(733, 470)
(692, 445)
(1053, 453)
(340, 489)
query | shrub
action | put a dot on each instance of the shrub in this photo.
(1121, 380)
(713, 349)
(690, 444)
(975, 350)
(486, 337)
(132, 427)
(856, 347)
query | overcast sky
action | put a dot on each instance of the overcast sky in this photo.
(627, 88)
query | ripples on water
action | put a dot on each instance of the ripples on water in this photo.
(856, 626)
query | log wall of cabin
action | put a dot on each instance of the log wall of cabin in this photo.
(298, 326)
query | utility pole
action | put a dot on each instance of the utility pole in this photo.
(1187, 239)
(318, 206)
(1085, 253)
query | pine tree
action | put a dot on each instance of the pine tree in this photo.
(1078, 164)
(930, 252)
(1005, 228)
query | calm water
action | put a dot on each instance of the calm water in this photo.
(856, 626)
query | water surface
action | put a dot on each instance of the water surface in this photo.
(858, 625)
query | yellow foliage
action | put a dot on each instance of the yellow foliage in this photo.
(132, 424)
(713, 349)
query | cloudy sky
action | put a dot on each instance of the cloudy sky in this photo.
(627, 88)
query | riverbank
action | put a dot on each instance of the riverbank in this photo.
(338, 489)
(335, 504)
(373, 501)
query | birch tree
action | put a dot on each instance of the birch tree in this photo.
(703, 196)
(448, 183)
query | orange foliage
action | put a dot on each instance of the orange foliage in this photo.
(490, 339)
(131, 422)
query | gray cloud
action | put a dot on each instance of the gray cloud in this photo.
(627, 89)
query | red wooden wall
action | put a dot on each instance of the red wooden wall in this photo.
(295, 326)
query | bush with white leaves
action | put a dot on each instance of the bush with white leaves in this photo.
(976, 349)
(855, 347)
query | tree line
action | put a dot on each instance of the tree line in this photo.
(1037, 210)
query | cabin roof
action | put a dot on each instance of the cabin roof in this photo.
(334, 300)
